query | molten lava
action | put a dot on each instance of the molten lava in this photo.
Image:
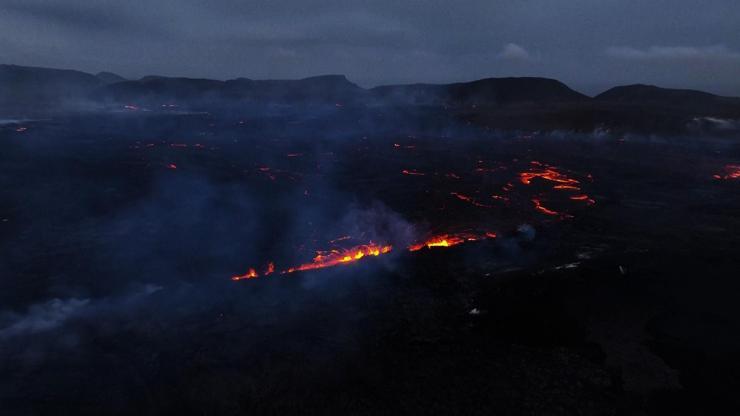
(561, 181)
(324, 259)
(539, 207)
(438, 241)
(547, 173)
(336, 257)
(251, 274)
(583, 198)
(469, 200)
(449, 240)
(412, 172)
(544, 179)
(333, 258)
(731, 172)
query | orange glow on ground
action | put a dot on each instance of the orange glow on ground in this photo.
(251, 274)
(449, 240)
(551, 177)
(730, 172)
(539, 207)
(550, 174)
(412, 172)
(469, 200)
(336, 257)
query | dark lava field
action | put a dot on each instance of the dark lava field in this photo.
(341, 261)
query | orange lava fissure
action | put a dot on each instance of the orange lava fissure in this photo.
(336, 257)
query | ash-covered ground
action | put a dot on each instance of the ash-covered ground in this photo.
(192, 263)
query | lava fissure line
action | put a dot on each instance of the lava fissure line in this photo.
(336, 257)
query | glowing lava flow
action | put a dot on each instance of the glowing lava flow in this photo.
(548, 173)
(469, 200)
(438, 241)
(331, 258)
(251, 274)
(731, 172)
(539, 207)
(450, 240)
(325, 259)
(412, 172)
(583, 198)
(561, 182)
(336, 257)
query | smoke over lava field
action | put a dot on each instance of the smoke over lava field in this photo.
(362, 262)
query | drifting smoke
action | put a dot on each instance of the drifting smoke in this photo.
(56, 313)
(42, 317)
(714, 124)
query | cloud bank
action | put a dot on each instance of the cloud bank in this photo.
(382, 42)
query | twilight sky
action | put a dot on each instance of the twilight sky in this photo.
(589, 44)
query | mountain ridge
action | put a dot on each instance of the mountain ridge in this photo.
(505, 103)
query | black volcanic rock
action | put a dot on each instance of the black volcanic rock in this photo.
(489, 91)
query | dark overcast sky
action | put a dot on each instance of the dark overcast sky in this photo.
(589, 44)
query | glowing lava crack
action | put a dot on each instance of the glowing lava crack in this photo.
(336, 257)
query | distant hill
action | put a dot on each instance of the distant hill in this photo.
(506, 103)
(687, 100)
(489, 91)
(159, 90)
(337, 89)
(28, 87)
(328, 88)
(109, 77)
